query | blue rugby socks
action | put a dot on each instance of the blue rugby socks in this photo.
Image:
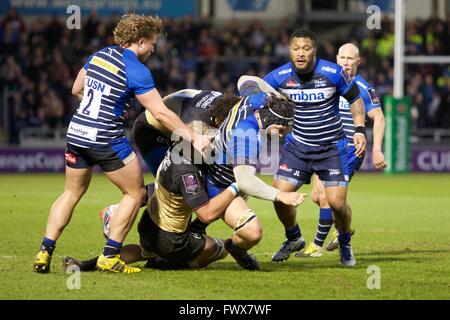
(112, 248)
(344, 238)
(324, 226)
(294, 233)
(48, 245)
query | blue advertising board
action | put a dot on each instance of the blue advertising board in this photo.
(384, 5)
(162, 8)
(248, 5)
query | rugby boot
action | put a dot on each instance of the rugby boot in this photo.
(312, 251)
(242, 257)
(288, 247)
(42, 263)
(115, 264)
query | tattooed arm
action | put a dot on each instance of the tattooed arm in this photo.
(359, 118)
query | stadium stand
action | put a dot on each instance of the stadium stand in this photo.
(41, 57)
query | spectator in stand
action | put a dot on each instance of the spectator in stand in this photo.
(212, 56)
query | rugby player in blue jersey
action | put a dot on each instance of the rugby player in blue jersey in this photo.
(318, 143)
(105, 86)
(198, 106)
(347, 57)
(238, 146)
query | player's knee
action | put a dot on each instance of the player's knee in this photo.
(284, 185)
(323, 201)
(142, 194)
(338, 204)
(73, 196)
(251, 233)
(315, 196)
(138, 195)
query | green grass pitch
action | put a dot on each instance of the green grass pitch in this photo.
(402, 227)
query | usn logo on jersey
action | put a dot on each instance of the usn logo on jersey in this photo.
(97, 85)
(309, 95)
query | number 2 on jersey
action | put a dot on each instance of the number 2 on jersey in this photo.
(90, 95)
(92, 98)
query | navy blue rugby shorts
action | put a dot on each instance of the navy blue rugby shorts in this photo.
(110, 157)
(299, 161)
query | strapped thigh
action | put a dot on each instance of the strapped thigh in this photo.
(244, 218)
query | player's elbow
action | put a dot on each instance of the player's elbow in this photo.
(206, 215)
(77, 92)
(159, 115)
(244, 185)
(208, 219)
(244, 178)
(379, 119)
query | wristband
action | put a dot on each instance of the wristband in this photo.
(233, 188)
(360, 130)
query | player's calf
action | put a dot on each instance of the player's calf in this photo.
(214, 250)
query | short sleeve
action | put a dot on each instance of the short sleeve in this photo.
(140, 79)
(270, 79)
(86, 65)
(190, 185)
(346, 86)
(257, 100)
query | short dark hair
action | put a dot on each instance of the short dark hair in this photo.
(300, 33)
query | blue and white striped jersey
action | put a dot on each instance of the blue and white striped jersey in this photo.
(114, 75)
(317, 122)
(236, 142)
(370, 99)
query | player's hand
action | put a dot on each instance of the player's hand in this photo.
(378, 160)
(291, 198)
(201, 142)
(360, 144)
(278, 129)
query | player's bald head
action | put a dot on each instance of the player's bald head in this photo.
(349, 49)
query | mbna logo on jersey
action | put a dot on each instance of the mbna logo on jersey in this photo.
(304, 96)
(328, 69)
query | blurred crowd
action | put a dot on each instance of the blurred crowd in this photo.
(40, 60)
